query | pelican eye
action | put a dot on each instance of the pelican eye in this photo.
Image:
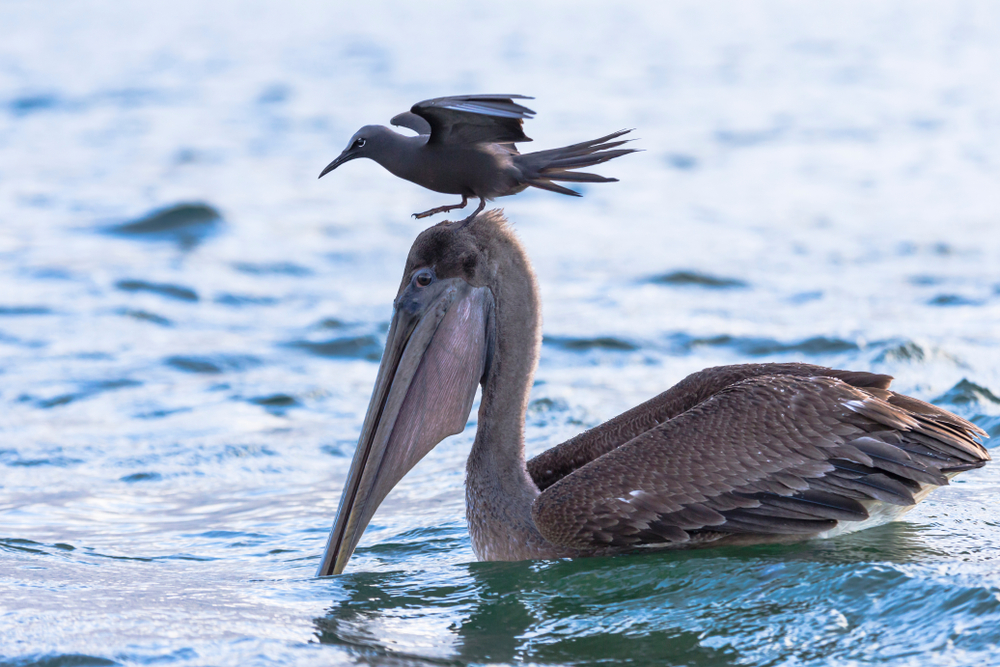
(360, 143)
(423, 279)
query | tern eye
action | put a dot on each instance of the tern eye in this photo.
(359, 143)
(423, 279)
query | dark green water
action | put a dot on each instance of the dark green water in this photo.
(878, 597)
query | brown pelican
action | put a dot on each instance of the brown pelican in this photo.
(748, 454)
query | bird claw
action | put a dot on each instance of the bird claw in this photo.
(433, 211)
(463, 223)
(442, 209)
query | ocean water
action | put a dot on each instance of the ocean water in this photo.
(191, 322)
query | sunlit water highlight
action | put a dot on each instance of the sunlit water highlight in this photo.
(190, 323)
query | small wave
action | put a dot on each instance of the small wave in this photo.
(59, 660)
(29, 104)
(925, 280)
(186, 224)
(8, 311)
(953, 300)
(215, 363)
(56, 461)
(906, 350)
(141, 477)
(898, 351)
(246, 451)
(547, 411)
(418, 543)
(163, 289)
(86, 390)
(240, 300)
(341, 449)
(697, 279)
(329, 323)
(543, 405)
(977, 403)
(586, 344)
(56, 401)
(275, 400)
(184, 557)
(146, 316)
(805, 297)
(157, 414)
(367, 347)
(968, 393)
(14, 340)
(227, 534)
(682, 161)
(759, 347)
(992, 427)
(273, 268)
(276, 404)
(19, 544)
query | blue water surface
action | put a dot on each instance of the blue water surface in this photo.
(191, 322)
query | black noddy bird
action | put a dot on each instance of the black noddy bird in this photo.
(465, 146)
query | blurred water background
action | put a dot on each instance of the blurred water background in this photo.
(190, 322)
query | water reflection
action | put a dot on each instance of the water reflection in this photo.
(706, 607)
(390, 616)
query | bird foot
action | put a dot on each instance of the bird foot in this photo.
(442, 209)
(482, 205)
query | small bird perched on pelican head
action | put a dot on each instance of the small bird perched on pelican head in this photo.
(465, 146)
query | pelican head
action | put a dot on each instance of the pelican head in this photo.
(438, 350)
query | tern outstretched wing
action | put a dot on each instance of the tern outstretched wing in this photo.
(474, 119)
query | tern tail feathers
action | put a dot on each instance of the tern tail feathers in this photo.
(546, 184)
(541, 168)
(577, 177)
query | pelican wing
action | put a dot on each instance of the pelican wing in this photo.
(776, 455)
(474, 119)
(553, 464)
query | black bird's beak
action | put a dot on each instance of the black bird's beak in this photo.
(346, 156)
(434, 359)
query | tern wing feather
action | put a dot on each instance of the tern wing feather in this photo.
(474, 119)
(412, 121)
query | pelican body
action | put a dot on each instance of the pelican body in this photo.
(747, 454)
